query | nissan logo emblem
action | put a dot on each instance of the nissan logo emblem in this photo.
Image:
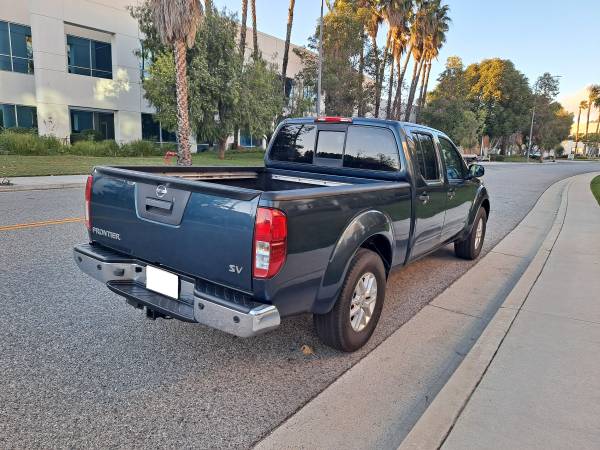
(161, 190)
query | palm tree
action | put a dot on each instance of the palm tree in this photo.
(373, 20)
(286, 50)
(420, 31)
(597, 105)
(397, 13)
(177, 22)
(254, 32)
(593, 94)
(435, 41)
(243, 27)
(582, 105)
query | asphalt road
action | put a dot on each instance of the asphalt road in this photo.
(78, 367)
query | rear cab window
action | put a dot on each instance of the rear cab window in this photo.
(426, 156)
(349, 146)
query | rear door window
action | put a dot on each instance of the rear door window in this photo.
(294, 143)
(427, 157)
(372, 148)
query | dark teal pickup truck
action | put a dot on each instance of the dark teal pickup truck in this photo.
(339, 203)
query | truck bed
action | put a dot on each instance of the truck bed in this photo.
(250, 178)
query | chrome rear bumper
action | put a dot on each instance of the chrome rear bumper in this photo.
(127, 277)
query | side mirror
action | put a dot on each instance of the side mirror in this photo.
(476, 171)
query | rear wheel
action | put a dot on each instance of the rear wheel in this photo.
(470, 247)
(351, 322)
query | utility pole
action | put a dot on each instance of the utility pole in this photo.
(320, 62)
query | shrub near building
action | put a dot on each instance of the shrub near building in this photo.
(30, 144)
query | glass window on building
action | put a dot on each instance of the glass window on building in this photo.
(152, 131)
(103, 122)
(17, 116)
(88, 57)
(247, 140)
(16, 50)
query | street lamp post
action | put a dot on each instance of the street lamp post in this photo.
(320, 62)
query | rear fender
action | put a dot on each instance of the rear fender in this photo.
(360, 230)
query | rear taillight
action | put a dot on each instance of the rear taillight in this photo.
(88, 198)
(270, 242)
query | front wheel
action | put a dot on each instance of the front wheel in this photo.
(470, 247)
(351, 322)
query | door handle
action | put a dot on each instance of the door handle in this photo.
(424, 197)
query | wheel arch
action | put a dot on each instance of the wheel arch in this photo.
(370, 229)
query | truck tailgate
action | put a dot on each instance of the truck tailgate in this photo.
(194, 228)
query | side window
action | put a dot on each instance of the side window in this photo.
(455, 166)
(330, 147)
(294, 143)
(371, 148)
(427, 157)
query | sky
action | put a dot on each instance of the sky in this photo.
(539, 36)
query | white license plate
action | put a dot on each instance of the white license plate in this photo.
(163, 282)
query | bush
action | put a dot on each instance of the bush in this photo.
(141, 148)
(496, 157)
(20, 143)
(92, 148)
(559, 150)
(86, 135)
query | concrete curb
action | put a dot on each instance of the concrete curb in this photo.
(41, 187)
(436, 423)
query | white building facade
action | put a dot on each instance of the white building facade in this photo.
(71, 65)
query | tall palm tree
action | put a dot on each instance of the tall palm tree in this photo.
(177, 22)
(597, 105)
(397, 13)
(254, 31)
(243, 27)
(582, 105)
(434, 42)
(420, 32)
(286, 50)
(593, 94)
(373, 20)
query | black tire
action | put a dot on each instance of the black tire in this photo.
(334, 328)
(468, 248)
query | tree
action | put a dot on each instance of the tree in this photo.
(433, 43)
(398, 14)
(255, 52)
(176, 22)
(243, 28)
(225, 93)
(342, 45)
(420, 28)
(449, 109)
(552, 123)
(502, 94)
(593, 95)
(554, 126)
(260, 100)
(373, 17)
(582, 105)
(286, 50)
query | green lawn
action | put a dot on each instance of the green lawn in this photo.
(595, 185)
(17, 165)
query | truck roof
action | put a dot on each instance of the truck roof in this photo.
(360, 120)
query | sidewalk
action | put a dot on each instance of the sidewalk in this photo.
(49, 182)
(541, 387)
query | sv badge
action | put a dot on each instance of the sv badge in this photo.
(235, 269)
